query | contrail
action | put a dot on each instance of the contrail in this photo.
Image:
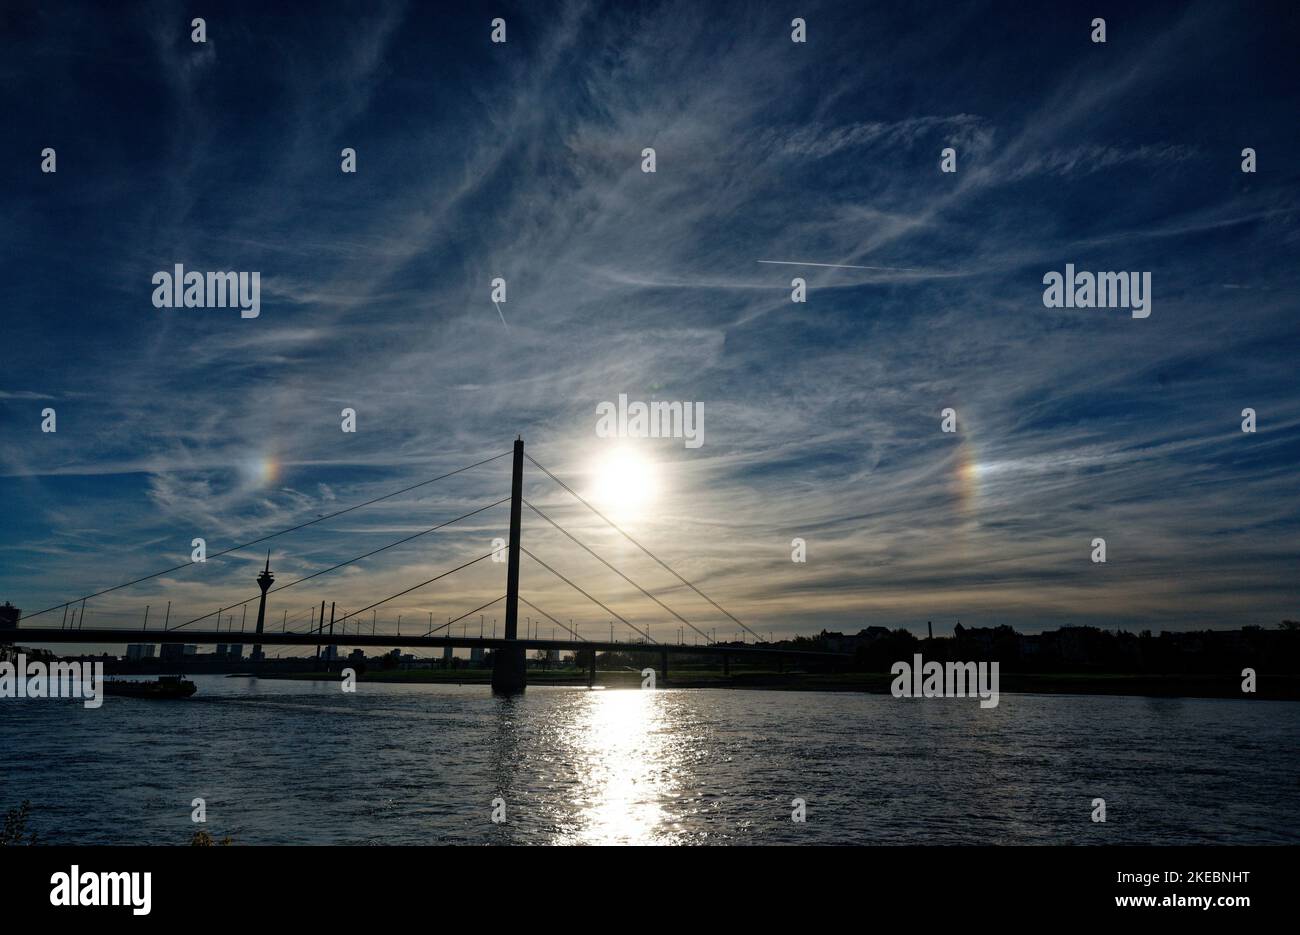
(892, 269)
(503, 317)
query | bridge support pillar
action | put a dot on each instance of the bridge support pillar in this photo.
(726, 666)
(591, 670)
(509, 671)
(663, 665)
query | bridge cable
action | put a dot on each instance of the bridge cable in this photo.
(625, 535)
(317, 627)
(417, 586)
(348, 562)
(448, 624)
(617, 572)
(646, 634)
(319, 519)
(552, 619)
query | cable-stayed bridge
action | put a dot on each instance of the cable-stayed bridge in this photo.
(509, 672)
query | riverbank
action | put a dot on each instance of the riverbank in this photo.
(1271, 687)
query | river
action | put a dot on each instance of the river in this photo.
(290, 762)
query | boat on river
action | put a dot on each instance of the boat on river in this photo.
(166, 686)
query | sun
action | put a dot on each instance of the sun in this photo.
(626, 482)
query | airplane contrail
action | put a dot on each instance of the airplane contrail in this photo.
(892, 269)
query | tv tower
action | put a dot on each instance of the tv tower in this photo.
(263, 581)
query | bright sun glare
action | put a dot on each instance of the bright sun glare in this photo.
(626, 482)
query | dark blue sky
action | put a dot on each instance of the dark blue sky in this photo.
(522, 160)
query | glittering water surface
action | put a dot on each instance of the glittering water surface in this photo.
(302, 762)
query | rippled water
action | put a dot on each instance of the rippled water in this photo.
(301, 762)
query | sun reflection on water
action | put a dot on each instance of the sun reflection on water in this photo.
(622, 742)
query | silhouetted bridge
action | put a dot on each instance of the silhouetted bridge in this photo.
(726, 652)
(509, 670)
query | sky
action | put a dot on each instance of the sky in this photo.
(821, 420)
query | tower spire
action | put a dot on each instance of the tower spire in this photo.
(264, 582)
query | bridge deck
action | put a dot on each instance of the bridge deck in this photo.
(38, 635)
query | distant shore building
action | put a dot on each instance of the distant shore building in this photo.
(137, 651)
(174, 651)
(9, 615)
(839, 643)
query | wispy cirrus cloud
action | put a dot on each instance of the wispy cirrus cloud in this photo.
(822, 418)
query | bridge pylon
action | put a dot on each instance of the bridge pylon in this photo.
(509, 672)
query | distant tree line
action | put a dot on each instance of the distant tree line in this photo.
(1088, 649)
